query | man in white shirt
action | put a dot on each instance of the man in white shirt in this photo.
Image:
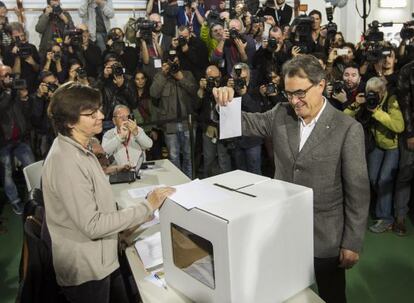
(126, 141)
(317, 146)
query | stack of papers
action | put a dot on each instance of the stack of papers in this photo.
(142, 192)
(150, 250)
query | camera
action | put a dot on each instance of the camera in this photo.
(25, 50)
(81, 73)
(51, 87)
(337, 86)
(57, 56)
(234, 34)
(118, 46)
(182, 41)
(302, 36)
(257, 19)
(271, 88)
(145, 28)
(57, 10)
(372, 100)
(239, 83)
(331, 27)
(214, 18)
(75, 36)
(407, 32)
(117, 70)
(211, 83)
(374, 49)
(19, 84)
(272, 43)
(174, 66)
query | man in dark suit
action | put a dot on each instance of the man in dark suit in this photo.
(317, 146)
(279, 10)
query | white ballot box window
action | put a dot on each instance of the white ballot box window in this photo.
(193, 254)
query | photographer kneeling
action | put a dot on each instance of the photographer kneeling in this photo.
(385, 124)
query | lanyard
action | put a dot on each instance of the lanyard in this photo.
(125, 143)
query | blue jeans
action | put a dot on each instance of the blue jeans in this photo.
(382, 170)
(24, 154)
(210, 150)
(249, 159)
(101, 41)
(180, 142)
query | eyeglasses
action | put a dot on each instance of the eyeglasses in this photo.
(300, 94)
(94, 114)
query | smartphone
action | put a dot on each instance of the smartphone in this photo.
(342, 51)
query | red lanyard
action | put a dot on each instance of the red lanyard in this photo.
(125, 143)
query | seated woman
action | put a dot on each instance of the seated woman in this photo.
(81, 214)
(385, 122)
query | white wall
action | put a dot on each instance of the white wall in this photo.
(347, 18)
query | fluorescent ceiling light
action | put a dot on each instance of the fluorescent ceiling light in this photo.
(392, 3)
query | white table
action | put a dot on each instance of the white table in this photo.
(166, 173)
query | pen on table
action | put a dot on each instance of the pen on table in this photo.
(162, 282)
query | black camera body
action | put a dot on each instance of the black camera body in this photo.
(239, 84)
(271, 88)
(234, 34)
(25, 50)
(407, 32)
(337, 86)
(118, 46)
(81, 73)
(19, 84)
(374, 49)
(271, 44)
(211, 83)
(57, 10)
(182, 41)
(372, 100)
(214, 18)
(57, 56)
(117, 70)
(145, 28)
(257, 19)
(75, 36)
(51, 87)
(302, 37)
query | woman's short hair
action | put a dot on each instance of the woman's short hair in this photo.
(376, 84)
(68, 101)
(306, 67)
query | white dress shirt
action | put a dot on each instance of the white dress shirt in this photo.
(306, 130)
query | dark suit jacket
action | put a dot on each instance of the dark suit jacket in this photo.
(332, 163)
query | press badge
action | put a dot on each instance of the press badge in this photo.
(157, 63)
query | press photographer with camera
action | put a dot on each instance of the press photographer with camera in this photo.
(126, 142)
(191, 52)
(51, 25)
(23, 57)
(83, 49)
(386, 123)
(271, 89)
(338, 58)
(234, 47)
(14, 134)
(348, 90)
(406, 48)
(175, 89)
(154, 44)
(97, 14)
(77, 73)
(247, 150)
(56, 61)
(212, 30)
(127, 55)
(191, 15)
(43, 131)
(214, 149)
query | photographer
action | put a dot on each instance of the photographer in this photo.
(191, 51)
(77, 73)
(97, 14)
(349, 90)
(191, 15)
(23, 57)
(175, 91)
(248, 150)
(14, 134)
(234, 47)
(272, 52)
(154, 47)
(86, 51)
(51, 25)
(212, 30)
(5, 31)
(209, 121)
(271, 88)
(128, 56)
(338, 58)
(43, 131)
(406, 48)
(56, 62)
(115, 90)
(385, 124)
(126, 142)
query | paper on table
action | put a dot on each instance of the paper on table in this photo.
(150, 250)
(142, 192)
(196, 193)
(230, 119)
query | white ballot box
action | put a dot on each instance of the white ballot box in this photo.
(251, 240)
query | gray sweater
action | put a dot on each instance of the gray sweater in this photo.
(88, 15)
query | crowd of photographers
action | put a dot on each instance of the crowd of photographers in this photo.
(162, 70)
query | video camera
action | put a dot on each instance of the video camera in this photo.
(145, 28)
(407, 32)
(75, 35)
(331, 27)
(374, 49)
